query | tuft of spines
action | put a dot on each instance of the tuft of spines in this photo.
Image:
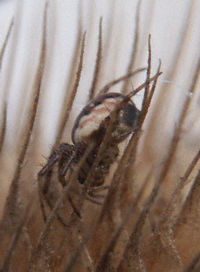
(122, 234)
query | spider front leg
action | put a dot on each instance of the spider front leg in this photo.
(63, 152)
(65, 160)
(63, 156)
(93, 194)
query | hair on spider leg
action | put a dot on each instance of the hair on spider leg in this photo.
(105, 122)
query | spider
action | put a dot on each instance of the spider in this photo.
(103, 123)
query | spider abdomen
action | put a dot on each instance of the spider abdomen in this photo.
(91, 118)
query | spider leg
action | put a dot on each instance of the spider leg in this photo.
(100, 188)
(63, 170)
(60, 155)
(74, 207)
(43, 184)
(44, 198)
(96, 195)
(51, 161)
(92, 194)
(93, 200)
(42, 191)
(42, 206)
(70, 154)
(93, 191)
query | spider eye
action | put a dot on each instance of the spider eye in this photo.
(130, 115)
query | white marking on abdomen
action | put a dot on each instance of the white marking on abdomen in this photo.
(91, 122)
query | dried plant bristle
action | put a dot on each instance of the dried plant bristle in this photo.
(148, 219)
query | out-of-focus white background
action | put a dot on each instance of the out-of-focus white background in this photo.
(165, 20)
